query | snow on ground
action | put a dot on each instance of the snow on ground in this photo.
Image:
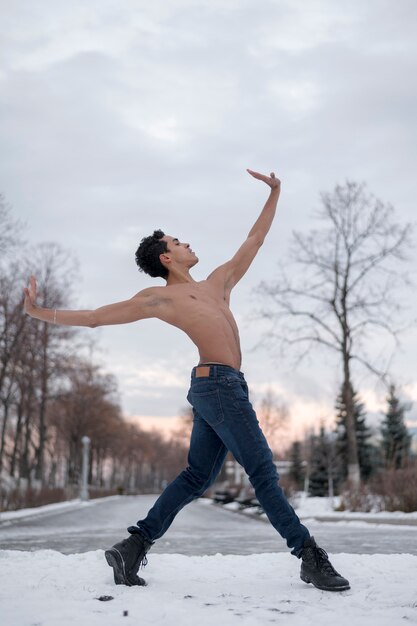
(38, 510)
(47, 588)
(316, 508)
(307, 506)
(50, 508)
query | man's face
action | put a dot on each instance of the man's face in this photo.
(180, 253)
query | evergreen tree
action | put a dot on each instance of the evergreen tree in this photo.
(363, 433)
(320, 466)
(396, 439)
(296, 469)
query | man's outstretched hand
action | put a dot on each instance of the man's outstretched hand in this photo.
(271, 180)
(30, 296)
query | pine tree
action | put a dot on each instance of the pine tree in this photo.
(296, 469)
(319, 466)
(396, 439)
(365, 451)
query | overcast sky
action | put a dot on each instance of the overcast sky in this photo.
(121, 117)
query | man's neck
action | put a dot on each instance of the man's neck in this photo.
(178, 277)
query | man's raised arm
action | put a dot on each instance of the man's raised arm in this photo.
(232, 271)
(262, 225)
(143, 305)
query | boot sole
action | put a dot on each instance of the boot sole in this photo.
(323, 587)
(115, 560)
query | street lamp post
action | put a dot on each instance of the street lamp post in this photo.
(84, 473)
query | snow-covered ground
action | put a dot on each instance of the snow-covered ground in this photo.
(308, 507)
(51, 508)
(47, 588)
(324, 508)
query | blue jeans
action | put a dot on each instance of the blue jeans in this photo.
(224, 420)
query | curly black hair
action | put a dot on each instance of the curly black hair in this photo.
(147, 255)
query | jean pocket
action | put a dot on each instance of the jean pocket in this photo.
(208, 405)
(237, 389)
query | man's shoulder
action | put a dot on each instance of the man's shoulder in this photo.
(219, 273)
(152, 294)
(148, 291)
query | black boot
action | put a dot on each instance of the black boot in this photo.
(126, 557)
(317, 569)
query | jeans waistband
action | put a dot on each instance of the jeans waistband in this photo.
(214, 370)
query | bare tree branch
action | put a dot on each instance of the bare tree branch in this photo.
(346, 287)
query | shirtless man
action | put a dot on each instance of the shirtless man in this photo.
(224, 418)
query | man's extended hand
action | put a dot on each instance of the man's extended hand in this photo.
(30, 296)
(271, 180)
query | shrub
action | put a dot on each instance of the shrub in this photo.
(389, 490)
(397, 488)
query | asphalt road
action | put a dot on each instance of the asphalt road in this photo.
(200, 528)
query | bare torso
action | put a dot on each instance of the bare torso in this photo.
(202, 311)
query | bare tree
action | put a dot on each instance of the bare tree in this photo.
(181, 434)
(273, 418)
(11, 320)
(32, 355)
(17, 364)
(86, 407)
(10, 229)
(57, 270)
(345, 293)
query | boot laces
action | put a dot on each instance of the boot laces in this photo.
(324, 563)
(143, 561)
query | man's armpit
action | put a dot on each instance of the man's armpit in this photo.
(156, 301)
(155, 304)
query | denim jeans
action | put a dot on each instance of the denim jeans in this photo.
(224, 420)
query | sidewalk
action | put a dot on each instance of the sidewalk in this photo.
(48, 509)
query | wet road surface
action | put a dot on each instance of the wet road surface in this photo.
(200, 528)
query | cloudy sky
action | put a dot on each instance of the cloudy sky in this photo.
(118, 118)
